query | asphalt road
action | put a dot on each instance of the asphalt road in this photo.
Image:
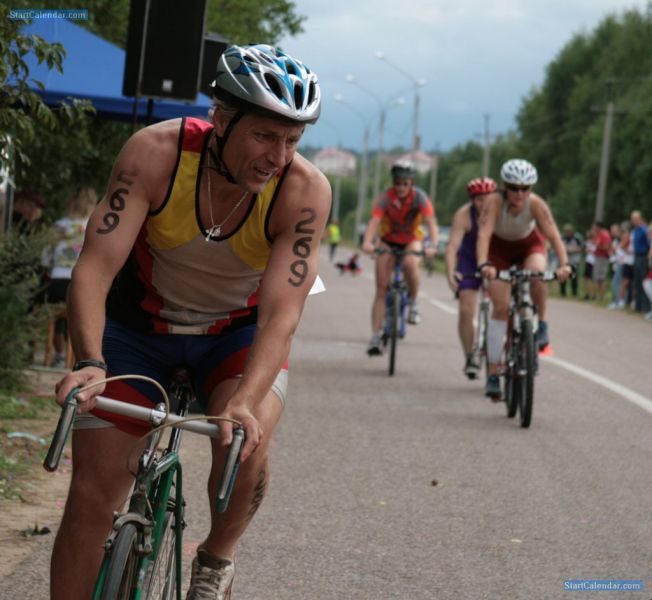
(417, 487)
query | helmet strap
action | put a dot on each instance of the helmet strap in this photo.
(218, 160)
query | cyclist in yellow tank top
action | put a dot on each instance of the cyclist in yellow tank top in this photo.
(202, 253)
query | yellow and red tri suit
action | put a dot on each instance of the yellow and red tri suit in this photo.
(400, 221)
(175, 281)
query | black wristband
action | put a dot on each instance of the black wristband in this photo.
(90, 362)
(484, 264)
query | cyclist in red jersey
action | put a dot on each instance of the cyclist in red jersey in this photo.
(510, 233)
(397, 217)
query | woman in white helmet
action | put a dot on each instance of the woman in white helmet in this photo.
(513, 227)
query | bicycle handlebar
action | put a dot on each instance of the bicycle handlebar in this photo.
(525, 275)
(399, 251)
(68, 412)
(155, 417)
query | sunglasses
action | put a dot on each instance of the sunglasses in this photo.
(518, 188)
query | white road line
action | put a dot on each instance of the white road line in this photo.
(443, 306)
(627, 393)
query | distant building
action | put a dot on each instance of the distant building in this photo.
(422, 161)
(333, 161)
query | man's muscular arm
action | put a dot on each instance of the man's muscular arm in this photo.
(110, 234)
(289, 275)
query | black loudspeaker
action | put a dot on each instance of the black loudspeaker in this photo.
(214, 45)
(171, 52)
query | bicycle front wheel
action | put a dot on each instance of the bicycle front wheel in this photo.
(511, 389)
(161, 576)
(395, 317)
(526, 373)
(124, 565)
(483, 326)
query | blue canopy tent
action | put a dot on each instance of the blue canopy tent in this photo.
(93, 69)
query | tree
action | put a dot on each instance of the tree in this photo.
(21, 108)
(254, 21)
(240, 21)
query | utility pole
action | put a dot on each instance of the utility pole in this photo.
(362, 189)
(433, 176)
(610, 112)
(336, 197)
(487, 148)
(486, 138)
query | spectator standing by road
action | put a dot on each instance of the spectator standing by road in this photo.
(589, 260)
(602, 253)
(616, 266)
(641, 247)
(624, 263)
(574, 244)
(647, 282)
(70, 231)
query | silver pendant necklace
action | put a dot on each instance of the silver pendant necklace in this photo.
(216, 229)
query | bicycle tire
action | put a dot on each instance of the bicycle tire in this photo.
(526, 373)
(482, 336)
(511, 390)
(161, 576)
(394, 316)
(124, 565)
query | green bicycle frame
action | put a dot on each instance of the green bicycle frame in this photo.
(152, 491)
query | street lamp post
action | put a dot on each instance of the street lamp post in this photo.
(416, 83)
(381, 128)
(337, 188)
(362, 184)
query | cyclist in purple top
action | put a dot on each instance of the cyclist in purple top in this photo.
(461, 250)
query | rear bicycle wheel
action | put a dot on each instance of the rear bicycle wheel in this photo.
(526, 373)
(394, 317)
(124, 565)
(161, 575)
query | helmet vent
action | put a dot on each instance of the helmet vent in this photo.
(311, 93)
(291, 69)
(298, 95)
(274, 86)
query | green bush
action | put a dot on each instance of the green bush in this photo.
(21, 320)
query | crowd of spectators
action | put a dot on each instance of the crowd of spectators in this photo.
(617, 259)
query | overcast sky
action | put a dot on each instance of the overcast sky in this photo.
(477, 57)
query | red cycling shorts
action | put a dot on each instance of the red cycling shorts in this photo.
(503, 254)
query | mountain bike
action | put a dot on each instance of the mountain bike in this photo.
(520, 359)
(143, 553)
(396, 301)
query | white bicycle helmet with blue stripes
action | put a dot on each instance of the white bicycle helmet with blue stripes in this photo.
(262, 79)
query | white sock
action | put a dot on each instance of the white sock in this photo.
(495, 340)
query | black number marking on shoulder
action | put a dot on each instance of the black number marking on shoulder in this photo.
(299, 268)
(301, 225)
(111, 221)
(301, 248)
(127, 176)
(118, 201)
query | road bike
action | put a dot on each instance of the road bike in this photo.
(143, 553)
(484, 312)
(520, 357)
(396, 301)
